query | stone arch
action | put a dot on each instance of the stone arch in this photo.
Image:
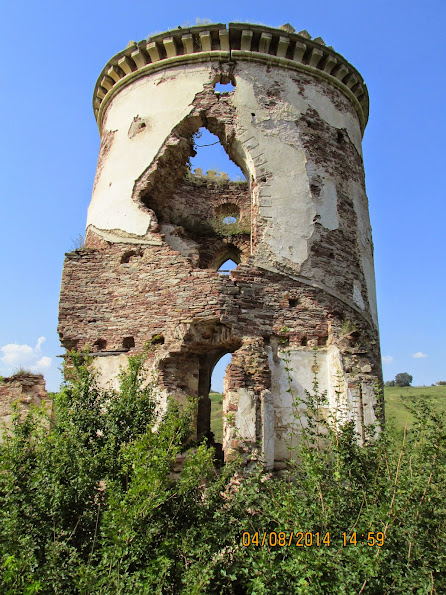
(188, 370)
(228, 252)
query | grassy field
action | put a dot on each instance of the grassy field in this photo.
(395, 399)
(216, 416)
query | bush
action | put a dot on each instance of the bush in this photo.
(94, 505)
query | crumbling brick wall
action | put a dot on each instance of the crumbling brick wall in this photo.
(303, 289)
(26, 389)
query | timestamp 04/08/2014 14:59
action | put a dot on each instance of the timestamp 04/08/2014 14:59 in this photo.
(310, 539)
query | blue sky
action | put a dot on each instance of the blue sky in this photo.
(52, 54)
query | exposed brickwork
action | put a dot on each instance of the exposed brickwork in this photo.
(159, 292)
(25, 388)
(301, 236)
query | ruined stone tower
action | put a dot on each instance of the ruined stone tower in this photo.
(298, 228)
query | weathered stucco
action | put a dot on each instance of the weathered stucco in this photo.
(304, 288)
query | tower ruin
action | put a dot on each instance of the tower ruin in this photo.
(299, 228)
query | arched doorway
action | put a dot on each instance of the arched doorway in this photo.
(216, 396)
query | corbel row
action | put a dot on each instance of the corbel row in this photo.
(237, 42)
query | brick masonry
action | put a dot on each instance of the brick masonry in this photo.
(24, 388)
(156, 235)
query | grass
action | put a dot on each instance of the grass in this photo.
(20, 371)
(217, 415)
(395, 398)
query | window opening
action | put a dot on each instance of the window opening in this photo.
(224, 87)
(228, 266)
(100, 345)
(212, 158)
(128, 343)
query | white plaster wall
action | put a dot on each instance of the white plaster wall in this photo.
(269, 140)
(108, 368)
(302, 363)
(245, 417)
(271, 137)
(369, 400)
(163, 99)
(268, 434)
(365, 244)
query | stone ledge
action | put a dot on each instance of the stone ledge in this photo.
(237, 41)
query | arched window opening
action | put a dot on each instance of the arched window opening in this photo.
(229, 219)
(212, 158)
(228, 213)
(227, 266)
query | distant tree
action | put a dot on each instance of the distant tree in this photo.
(403, 379)
(390, 383)
(441, 383)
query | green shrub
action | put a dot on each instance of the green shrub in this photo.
(94, 505)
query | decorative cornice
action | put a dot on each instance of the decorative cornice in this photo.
(237, 41)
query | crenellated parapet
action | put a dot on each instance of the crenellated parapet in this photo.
(238, 41)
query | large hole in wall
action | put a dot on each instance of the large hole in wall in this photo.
(224, 83)
(199, 197)
(211, 158)
(189, 155)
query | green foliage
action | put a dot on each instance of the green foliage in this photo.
(211, 227)
(403, 379)
(348, 327)
(98, 504)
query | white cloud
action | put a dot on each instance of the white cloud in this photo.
(14, 354)
(419, 355)
(30, 358)
(387, 359)
(44, 362)
(40, 340)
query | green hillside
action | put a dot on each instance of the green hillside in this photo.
(396, 397)
(216, 416)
